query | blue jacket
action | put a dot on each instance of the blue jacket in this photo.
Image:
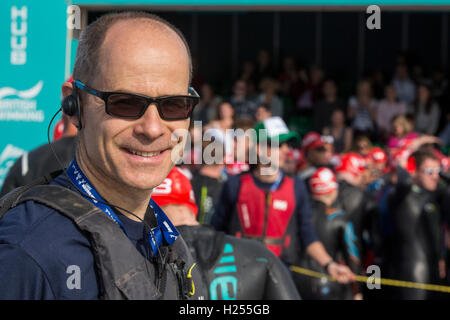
(43, 255)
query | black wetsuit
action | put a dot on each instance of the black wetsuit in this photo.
(237, 269)
(337, 236)
(414, 245)
(362, 210)
(207, 193)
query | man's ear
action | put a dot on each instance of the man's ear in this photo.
(66, 89)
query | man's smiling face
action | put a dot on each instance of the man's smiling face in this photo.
(135, 57)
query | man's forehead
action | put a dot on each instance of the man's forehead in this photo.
(132, 46)
(141, 31)
(430, 163)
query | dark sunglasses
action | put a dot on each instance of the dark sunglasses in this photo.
(431, 171)
(133, 106)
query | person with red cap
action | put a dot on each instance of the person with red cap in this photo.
(378, 173)
(413, 246)
(359, 207)
(337, 236)
(232, 268)
(350, 169)
(315, 152)
(293, 159)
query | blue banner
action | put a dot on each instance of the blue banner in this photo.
(32, 61)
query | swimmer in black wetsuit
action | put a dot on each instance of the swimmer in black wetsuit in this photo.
(337, 236)
(360, 208)
(232, 268)
(414, 248)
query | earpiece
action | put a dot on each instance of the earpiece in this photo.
(71, 106)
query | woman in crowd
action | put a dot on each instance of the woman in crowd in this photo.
(426, 111)
(362, 109)
(388, 108)
(342, 135)
(206, 110)
(402, 133)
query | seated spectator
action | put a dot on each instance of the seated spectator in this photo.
(388, 108)
(264, 67)
(269, 96)
(378, 84)
(342, 135)
(439, 85)
(405, 87)
(206, 110)
(288, 75)
(222, 127)
(313, 90)
(263, 112)
(426, 111)
(248, 71)
(362, 109)
(239, 162)
(224, 118)
(323, 109)
(244, 108)
(402, 133)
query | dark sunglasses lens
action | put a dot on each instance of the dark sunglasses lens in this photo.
(125, 105)
(177, 107)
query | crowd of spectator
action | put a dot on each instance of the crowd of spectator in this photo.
(389, 125)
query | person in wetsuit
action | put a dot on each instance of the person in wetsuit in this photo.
(231, 268)
(414, 247)
(337, 236)
(359, 207)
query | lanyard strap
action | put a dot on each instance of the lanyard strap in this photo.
(164, 232)
(276, 184)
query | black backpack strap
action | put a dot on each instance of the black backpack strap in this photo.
(133, 277)
(60, 199)
(11, 199)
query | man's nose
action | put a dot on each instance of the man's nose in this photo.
(150, 124)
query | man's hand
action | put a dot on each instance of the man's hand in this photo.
(341, 273)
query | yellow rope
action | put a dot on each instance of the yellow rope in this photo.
(383, 281)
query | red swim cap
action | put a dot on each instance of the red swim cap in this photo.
(352, 163)
(323, 182)
(175, 189)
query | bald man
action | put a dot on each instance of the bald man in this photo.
(93, 232)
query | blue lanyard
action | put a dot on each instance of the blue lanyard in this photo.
(277, 182)
(165, 232)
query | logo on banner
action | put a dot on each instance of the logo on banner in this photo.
(7, 159)
(19, 35)
(22, 108)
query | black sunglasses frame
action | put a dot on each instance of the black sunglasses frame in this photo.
(150, 100)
